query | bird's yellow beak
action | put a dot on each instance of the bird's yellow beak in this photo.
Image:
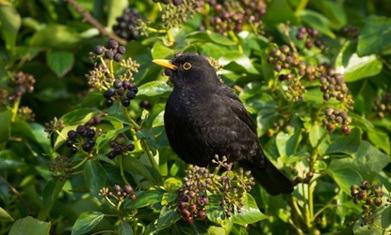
(165, 64)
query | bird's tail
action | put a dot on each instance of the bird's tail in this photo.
(271, 178)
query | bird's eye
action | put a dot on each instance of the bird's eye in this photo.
(186, 66)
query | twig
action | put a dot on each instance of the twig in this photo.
(90, 19)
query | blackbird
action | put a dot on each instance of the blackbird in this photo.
(204, 117)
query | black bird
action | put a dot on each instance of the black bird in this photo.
(204, 117)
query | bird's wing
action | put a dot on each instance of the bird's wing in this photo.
(238, 107)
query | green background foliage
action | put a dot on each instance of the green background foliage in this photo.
(50, 40)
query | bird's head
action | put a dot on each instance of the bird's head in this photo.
(189, 70)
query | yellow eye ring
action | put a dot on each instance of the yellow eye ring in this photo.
(186, 66)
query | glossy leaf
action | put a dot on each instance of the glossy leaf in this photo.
(86, 222)
(31, 226)
(375, 37)
(250, 212)
(60, 62)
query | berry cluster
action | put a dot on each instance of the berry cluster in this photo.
(177, 12)
(232, 187)
(192, 197)
(128, 24)
(290, 69)
(369, 196)
(334, 118)
(233, 15)
(333, 86)
(113, 51)
(115, 80)
(310, 36)
(53, 126)
(119, 147)
(84, 136)
(224, 184)
(118, 193)
(22, 83)
(382, 106)
(26, 113)
(121, 90)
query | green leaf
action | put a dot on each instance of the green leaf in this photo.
(9, 160)
(147, 198)
(209, 36)
(55, 36)
(87, 222)
(375, 37)
(125, 229)
(370, 159)
(154, 88)
(287, 142)
(5, 127)
(60, 62)
(346, 144)
(386, 218)
(317, 21)
(343, 174)
(10, 22)
(5, 216)
(160, 51)
(361, 67)
(250, 212)
(334, 11)
(167, 218)
(95, 176)
(50, 195)
(214, 230)
(76, 116)
(279, 11)
(379, 139)
(315, 133)
(31, 226)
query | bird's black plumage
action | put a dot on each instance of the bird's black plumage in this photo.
(204, 117)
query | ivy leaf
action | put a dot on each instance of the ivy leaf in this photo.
(361, 67)
(95, 176)
(343, 174)
(5, 127)
(346, 144)
(5, 216)
(147, 198)
(31, 226)
(86, 222)
(167, 218)
(375, 37)
(249, 213)
(317, 21)
(154, 88)
(60, 62)
(10, 24)
(125, 229)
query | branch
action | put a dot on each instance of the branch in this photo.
(90, 19)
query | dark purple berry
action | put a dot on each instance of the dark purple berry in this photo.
(109, 93)
(109, 54)
(125, 102)
(118, 57)
(72, 134)
(121, 50)
(131, 94)
(99, 50)
(69, 143)
(87, 147)
(130, 147)
(81, 130)
(113, 44)
(117, 83)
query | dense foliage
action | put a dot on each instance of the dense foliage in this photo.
(82, 143)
